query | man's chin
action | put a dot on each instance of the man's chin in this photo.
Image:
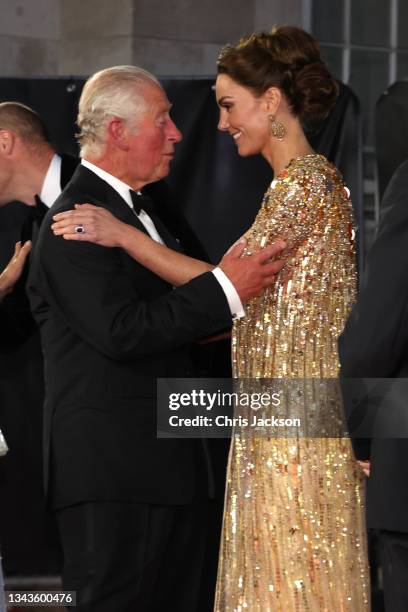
(164, 169)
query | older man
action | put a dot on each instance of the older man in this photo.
(132, 509)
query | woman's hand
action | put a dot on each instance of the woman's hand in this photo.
(99, 225)
(365, 466)
(14, 269)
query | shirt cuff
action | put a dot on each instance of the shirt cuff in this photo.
(235, 304)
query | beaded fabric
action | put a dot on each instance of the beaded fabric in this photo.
(294, 534)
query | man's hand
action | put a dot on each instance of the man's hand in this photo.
(365, 466)
(14, 269)
(250, 275)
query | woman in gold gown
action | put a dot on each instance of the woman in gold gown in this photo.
(293, 535)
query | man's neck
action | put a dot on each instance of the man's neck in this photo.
(116, 168)
(30, 177)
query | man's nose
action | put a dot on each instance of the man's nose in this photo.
(174, 133)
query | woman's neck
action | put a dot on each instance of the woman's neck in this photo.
(279, 153)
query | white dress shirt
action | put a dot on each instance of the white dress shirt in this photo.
(123, 191)
(51, 187)
(235, 304)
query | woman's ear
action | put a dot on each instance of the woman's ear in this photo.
(272, 99)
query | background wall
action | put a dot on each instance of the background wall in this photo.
(365, 42)
(170, 38)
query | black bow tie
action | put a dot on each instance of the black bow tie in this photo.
(141, 201)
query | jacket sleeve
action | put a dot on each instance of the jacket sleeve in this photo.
(16, 321)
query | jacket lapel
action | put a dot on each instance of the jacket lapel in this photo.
(96, 191)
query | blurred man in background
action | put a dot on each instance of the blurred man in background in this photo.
(31, 172)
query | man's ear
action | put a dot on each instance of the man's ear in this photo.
(7, 142)
(118, 133)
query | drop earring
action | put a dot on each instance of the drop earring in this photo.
(276, 128)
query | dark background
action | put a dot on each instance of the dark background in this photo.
(218, 192)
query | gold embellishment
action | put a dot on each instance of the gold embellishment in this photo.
(297, 541)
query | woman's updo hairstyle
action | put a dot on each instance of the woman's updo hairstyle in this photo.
(287, 58)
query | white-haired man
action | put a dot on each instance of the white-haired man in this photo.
(132, 510)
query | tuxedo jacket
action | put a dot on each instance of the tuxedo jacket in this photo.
(374, 344)
(109, 329)
(16, 321)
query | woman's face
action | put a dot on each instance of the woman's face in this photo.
(242, 115)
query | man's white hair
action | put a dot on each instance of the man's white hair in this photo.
(113, 92)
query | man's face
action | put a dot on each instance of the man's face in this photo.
(152, 142)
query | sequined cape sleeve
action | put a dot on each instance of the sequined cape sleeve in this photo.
(292, 328)
(294, 533)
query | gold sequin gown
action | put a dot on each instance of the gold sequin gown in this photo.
(294, 532)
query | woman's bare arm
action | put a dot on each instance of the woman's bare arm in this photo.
(101, 227)
(248, 275)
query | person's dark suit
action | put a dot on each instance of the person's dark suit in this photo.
(374, 344)
(22, 222)
(28, 542)
(109, 329)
